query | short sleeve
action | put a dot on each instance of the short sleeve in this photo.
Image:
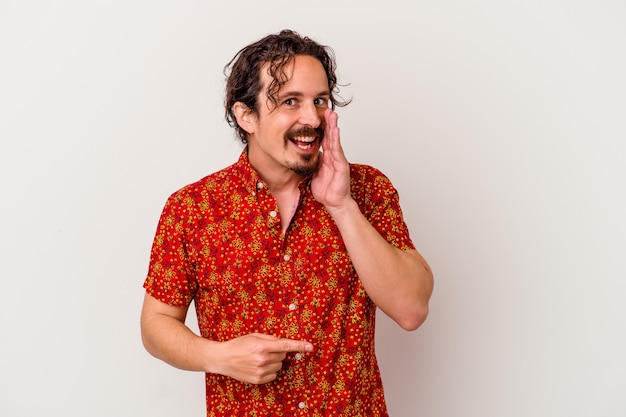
(380, 203)
(171, 274)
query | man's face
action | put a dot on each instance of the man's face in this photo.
(287, 137)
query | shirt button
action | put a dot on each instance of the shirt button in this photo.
(273, 213)
(286, 257)
(292, 306)
(301, 404)
(259, 185)
(299, 356)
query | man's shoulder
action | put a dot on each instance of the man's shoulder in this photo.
(213, 186)
(366, 174)
(363, 169)
(370, 184)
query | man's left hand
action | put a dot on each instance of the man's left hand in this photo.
(331, 183)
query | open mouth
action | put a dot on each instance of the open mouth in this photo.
(305, 138)
(304, 142)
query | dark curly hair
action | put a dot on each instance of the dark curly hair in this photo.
(243, 77)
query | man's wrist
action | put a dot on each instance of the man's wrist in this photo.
(348, 208)
(209, 351)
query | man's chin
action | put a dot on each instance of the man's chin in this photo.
(306, 167)
(304, 171)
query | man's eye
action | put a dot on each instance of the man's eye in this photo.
(321, 102)
(289, 102)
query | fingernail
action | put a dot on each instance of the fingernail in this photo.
(308, 348)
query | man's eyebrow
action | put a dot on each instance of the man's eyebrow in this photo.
(324, 93)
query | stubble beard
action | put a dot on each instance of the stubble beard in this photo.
(306, 167)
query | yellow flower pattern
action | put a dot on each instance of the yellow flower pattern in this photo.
(220, 244)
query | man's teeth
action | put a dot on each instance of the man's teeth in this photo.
(304, 142)
(304, 139)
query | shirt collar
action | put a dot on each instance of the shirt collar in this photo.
(251, 179)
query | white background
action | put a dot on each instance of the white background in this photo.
(502, 124)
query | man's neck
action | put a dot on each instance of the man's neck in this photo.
(278, 179)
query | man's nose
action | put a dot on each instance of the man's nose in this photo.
(311, 115)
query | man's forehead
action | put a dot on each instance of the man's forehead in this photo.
(286, 72)
(284, 69)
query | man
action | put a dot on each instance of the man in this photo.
(287, 253)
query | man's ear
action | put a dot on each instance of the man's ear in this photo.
(246, 118)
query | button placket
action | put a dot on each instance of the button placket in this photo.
(267, 205)
(292, 317)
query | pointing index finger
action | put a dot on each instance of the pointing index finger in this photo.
(289, 345)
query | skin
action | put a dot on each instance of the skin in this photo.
(399, 282)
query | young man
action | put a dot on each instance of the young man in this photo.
(286, 253)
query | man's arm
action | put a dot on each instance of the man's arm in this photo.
(399, 282)
(165, 336)
(254, 358)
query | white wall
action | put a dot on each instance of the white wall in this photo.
(502, 123)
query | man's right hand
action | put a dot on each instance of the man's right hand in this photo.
(257, 358)
(253, 358)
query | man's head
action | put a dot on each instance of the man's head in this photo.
(245, 81)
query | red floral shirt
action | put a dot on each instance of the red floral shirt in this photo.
(219, 243)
